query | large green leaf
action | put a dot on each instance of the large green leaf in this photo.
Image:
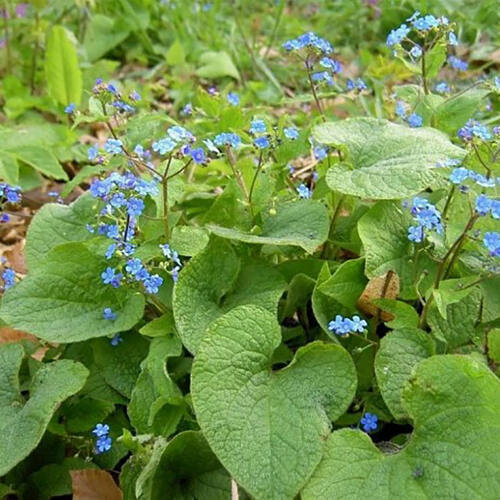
(55, 224)
(267, 428)
(389, 161)
(40, 159)
(214, 282)
(63, 74)
(454, 402)
(302, 223)
(103, 34)
(63, 299)
(22, 425)
(399, 353)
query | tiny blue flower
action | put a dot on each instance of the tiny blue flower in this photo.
(108, 313)
(416, 234)
(320, 152)
(358, 324)
(442, 88)
(101, 430)
(415, 120)
(116, 339)
(491, 241)
(495, 209)
(153, 283)
(258, 127)
(459, 175)
(8, 277)
(291, 133)
(452, 38)
(304, 191)
(113, 146)
(198, 155)
(457, 63)
(261, 142)
(111, 277)
(163, 146)
(103, 445)
(135, 207)
(187, 110)
(233, 98)
(400, 109)
(483, 205)
(416, 51)
(70, 108)
(92, 152)
(110, 251)
(111, 87)
(369, 422)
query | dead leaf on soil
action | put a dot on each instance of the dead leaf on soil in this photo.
(380, 287)
(94, 484)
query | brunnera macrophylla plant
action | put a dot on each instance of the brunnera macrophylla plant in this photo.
(257, 306)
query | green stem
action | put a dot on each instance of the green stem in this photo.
(254, 180)
(35, 53)
(277, 21)
(448, 203)
(336, 214)
(313, 89)
(424, 71)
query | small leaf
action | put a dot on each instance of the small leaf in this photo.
(302, 223)
(22, 425)
(103, 34)
(400, 351)
(64, 77)
(389, 161)
(217, 65)
(278, 419)
(454, 402)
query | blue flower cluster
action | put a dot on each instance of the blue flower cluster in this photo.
(180, 139)
(459, 175)
(174, 260)
(427, 218)
(344, 326)
(227, 139)
(457, 63)
(108, 93)
(356, 85)
(8, 194)
(291, 133)
(485, 206)
(304, 191)
(258, 128)
(104, 441)
(8, 278)
(414, 119)
(474, 130)
(491, 241)
(442, 88)
(310, 41)
(422, 25)
(369, 422)
(233, 98)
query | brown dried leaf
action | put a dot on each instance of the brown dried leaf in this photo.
(380, 287)
(8, 334)
(15, 256)
(94, 484)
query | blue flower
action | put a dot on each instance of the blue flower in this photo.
(483, 204)
(175, 273)
(92, 152)
(111, 277)
(8, 277)
(110, 251)
(304, 191)
(103, 444)
(427, 218)
(459, 175)
(474, 129)
(323, 76)
(261, 142)
(457, 63)
(163, 146)
(416, 234)
(331, 64)
(320, 152)
(369, 422)
(135, 96)
(116, 339)
(495, 209)
(491, 241)
(340, 326)
(452, 38)
(416, 51)
(227, 138)
(400, 109)
(70, 108)
(178, 134)
(425, 23)
(152, 283)
(198, 155)
(358, 324)
(415, 120)
(291, 133)
(101, 430)
(258, 127)
(397, 35)
(108, 313)
(442, 88)
(4, 217)
(113, 146)
(187, 110)
(233, 98)
(133, 266)
(310, 40)
(135, 207)
(357, 84)
(111, 87)
(170, 253)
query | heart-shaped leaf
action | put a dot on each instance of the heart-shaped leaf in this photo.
(63, 299)
(22, 425)
(389, 161)
(302, 223)
(267, 428)
(454, 402)
(214, 282)
(399, 352)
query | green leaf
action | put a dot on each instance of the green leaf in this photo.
(405, 315)
(494, 345)
(302, 223)
(400, 351)
(9, 169)
(214, 282)
(389, 161)
(453, 291)
(188, 468)
(278, 419)
(63, 74)
(63, 299)
(120, 365)
(41, 159)
(159, 327)
(23, 425)
(217, 65)
(453, 452)
(323, 305)
(347, 283)
(156, 404)
(55, 224)
(188, 240)
(459, 327)
(103, 34)
(176, 55)
(434, 59)
(384, 233)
